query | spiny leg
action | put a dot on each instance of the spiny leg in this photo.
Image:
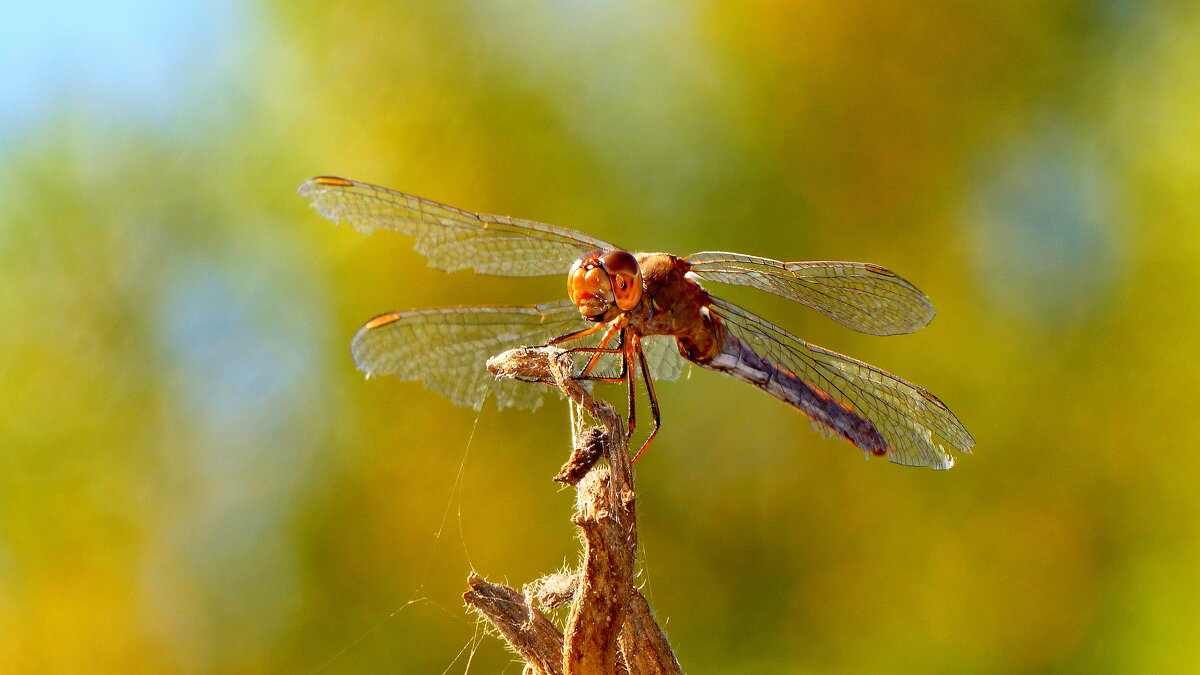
(637, 345)
(596, 352)
(574, 335)
(612, 330)
(628, 366)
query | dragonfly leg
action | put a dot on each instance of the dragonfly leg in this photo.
(596, 356)
(628, 366)
(574, 335)
(596, 352)
(637, 346)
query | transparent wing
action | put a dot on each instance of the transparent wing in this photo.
(662, 355)
(861, 296)
(913, 422)
(452, 239)
(447, 348)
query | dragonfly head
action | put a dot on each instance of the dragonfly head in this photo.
(601, 284)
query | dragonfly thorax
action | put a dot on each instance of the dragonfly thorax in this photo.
(602, 284)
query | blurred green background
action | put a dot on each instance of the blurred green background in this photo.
(194, 478)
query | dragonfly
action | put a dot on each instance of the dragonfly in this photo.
(651, 312)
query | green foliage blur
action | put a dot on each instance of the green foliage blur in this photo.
(194, 478)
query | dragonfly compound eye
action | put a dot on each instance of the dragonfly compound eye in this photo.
(626, 278)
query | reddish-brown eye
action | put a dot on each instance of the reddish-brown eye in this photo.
(620, 262)
(627, 278)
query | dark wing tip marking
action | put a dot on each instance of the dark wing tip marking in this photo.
(381, 320)
(882, 271)
(356, 343)
(931, 398)
(310, 187)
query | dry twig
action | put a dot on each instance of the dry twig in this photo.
(610, 628)
(524, 628)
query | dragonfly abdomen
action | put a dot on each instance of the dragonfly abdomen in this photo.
(736, 358)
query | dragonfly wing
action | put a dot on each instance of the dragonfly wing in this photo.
(915, 425)
(452, 239)
(861, 296)
(447, 348)
(662, 355)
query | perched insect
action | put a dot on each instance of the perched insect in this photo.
(654, 307)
